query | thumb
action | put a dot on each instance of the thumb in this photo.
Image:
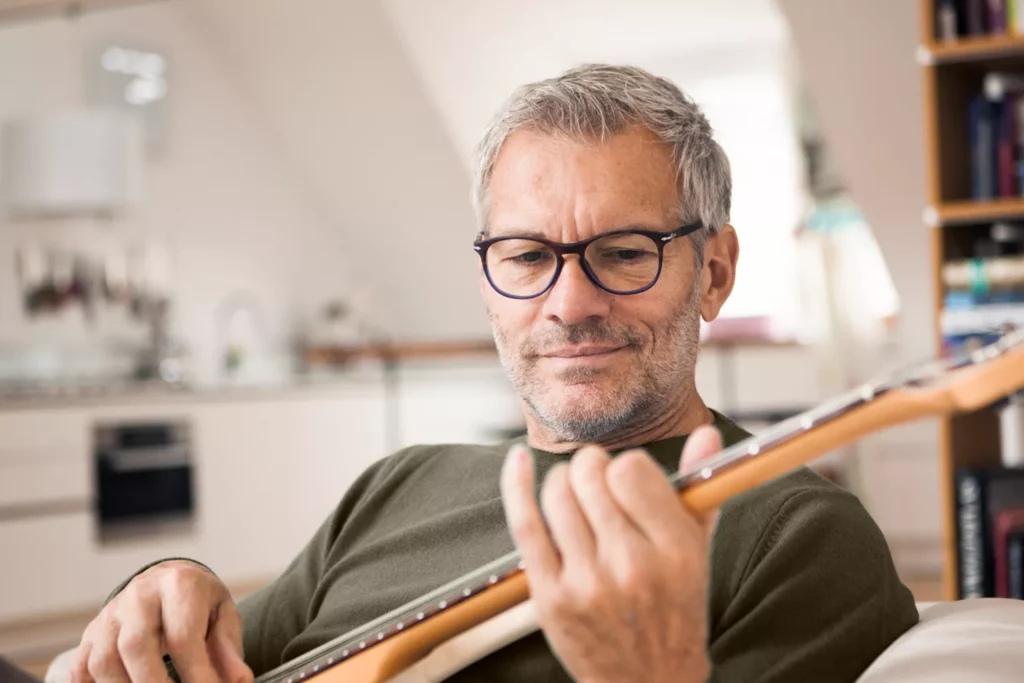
(225, 645)
(702, 444)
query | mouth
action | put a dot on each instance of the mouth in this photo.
(586, 351)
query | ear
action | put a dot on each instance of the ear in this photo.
(721, 252)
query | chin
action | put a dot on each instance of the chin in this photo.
(585, 401)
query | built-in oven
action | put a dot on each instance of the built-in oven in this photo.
(144, 477)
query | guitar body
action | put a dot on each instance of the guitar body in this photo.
(445, 631)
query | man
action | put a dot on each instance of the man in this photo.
(604, 207)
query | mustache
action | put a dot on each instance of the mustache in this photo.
(594, 332)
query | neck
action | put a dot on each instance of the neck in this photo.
(682, 417)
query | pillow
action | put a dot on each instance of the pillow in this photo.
(981, 641)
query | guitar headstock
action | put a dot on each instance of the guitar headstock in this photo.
(971, 379)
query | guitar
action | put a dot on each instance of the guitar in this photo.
(448, 629)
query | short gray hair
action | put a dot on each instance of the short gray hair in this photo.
(595, 101)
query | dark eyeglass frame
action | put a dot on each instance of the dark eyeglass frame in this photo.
(560, 249)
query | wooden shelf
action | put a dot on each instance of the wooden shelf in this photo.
(971, 49)
(398, 351)
(969, 211)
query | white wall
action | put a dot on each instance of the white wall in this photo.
(338, 90)
(220, 196)
(858, 60)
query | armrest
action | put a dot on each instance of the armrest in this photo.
(969, 640)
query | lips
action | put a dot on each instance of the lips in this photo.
(582, 351)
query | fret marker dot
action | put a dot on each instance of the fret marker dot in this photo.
(420, 616)
(344, 653)
(467, 592)
(302, 675)
(493, 579)
(380, 636)
(806, 423)
(400, 626)
(522, 564)
(316, 667)
(330, 660)
(706, 473)
(362, 645)
(754, 449)
(442, 604)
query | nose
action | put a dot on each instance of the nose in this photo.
(574, 298)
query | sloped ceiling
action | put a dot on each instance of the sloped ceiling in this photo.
(471, 54)
(353, 120)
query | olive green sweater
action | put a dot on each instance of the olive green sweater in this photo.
(802, 584)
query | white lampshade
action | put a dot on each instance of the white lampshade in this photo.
(76, 162)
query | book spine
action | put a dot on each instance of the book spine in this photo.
(1018, 147)
(971, 532)
(946, 21)
(975, 114)
(974, 11)
(996, 17)
(980, 276)
(1015, 566)
(954, 322)
(1005, 147)
(955, 300)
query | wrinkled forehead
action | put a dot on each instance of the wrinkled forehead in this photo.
(568, 189)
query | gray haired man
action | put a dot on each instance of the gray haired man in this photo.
(604, 239)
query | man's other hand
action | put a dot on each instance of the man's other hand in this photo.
(175, 607)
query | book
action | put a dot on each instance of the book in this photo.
(965, 321)
(980, 495)
(975, 12)
(982, 276)
(981, 122)
(947, 20)
(1006, 522)
(1015, 16)
(956, 299)
(996, 17)
(1015, 565)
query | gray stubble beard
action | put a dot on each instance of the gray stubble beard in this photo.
(662, 380)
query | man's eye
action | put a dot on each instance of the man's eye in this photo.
(529, 257)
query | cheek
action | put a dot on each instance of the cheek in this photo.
(512, 318)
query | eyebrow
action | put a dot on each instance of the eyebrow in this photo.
(539, 234)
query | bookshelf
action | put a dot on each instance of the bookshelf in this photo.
(953, 73)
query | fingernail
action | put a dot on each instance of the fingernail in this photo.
(519, 456)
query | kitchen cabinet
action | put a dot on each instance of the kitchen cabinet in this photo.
(268, 469)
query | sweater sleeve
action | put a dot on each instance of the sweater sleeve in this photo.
(816, 598)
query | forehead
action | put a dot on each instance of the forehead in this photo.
(543, 181)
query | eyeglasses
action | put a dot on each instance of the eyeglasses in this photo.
(621, 262)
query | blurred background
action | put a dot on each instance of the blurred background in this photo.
(235, 262)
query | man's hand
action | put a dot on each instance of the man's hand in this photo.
(175, 607)
(619, 574)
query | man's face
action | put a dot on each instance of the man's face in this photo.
(590, 364)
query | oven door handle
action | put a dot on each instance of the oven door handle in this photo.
(147, 458)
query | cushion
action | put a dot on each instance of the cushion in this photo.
(981, 641)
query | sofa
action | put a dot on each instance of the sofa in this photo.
(969, 641)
